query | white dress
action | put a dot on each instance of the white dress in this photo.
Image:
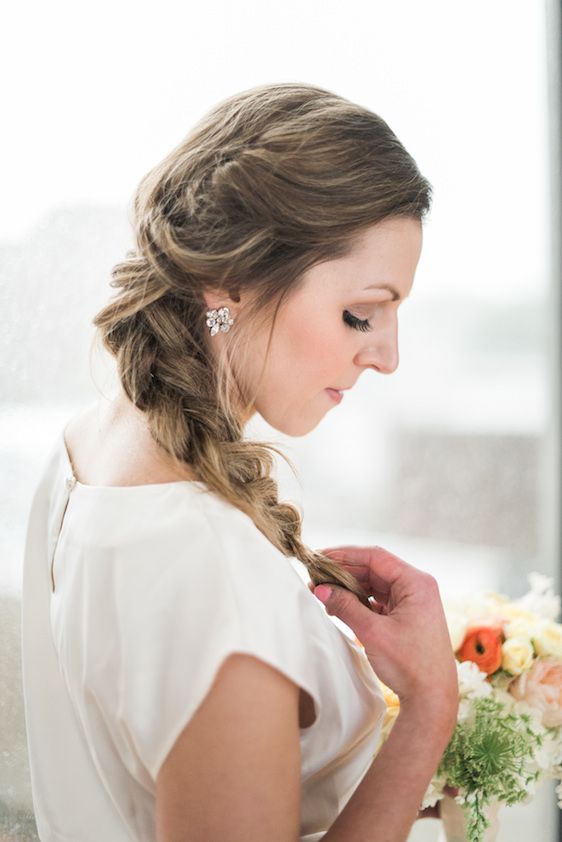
(132, 597)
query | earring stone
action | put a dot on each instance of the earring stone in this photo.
(219, 320)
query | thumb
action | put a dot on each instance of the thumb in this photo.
(347, 607)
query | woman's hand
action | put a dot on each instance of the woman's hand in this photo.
(404, 632)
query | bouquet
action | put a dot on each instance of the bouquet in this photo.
(508, 737)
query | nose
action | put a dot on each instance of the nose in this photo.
(381, 350)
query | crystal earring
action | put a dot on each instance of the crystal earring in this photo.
(219, 320)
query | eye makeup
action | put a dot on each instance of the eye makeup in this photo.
(354, 322)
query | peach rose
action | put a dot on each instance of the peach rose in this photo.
(541, 687)
(483, 645)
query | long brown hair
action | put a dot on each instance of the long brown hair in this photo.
(270, 182)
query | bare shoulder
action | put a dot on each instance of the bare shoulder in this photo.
(109, 444)
(78, 431)
(234, 771)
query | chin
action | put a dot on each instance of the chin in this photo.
(294, 427)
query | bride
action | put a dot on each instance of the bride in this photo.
(181, 682)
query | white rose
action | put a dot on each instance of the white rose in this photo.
(548, 639)
(517, 655)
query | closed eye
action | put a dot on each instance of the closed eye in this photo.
(354, 322)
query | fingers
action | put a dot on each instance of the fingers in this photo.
(356, 556)
(378, 607)
(342, 603)
(358, 569)
(375, 568)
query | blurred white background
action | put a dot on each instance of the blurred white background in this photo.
(449, 462)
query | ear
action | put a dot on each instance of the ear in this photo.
(215, 299)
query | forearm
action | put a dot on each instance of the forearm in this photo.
(385, 804)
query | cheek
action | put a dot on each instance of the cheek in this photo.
(313, 349)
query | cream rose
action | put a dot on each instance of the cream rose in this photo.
(548, 639)
(517, 655)
(457, 625)
(541, 687)
(521, 627)
(512, 611)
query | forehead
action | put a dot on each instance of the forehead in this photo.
(388, 232)
(383, 256)
(389, 238)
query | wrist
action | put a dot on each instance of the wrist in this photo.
(436, 718)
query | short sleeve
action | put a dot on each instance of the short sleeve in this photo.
(187, 599)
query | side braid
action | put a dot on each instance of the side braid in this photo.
(183, 416)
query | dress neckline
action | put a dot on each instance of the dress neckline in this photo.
(119, 488)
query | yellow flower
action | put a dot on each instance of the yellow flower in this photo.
(390, 697)
(521, 627)
(495, 599)
(548, 639)
(512, 611)
(392, 708)
(517, 655)
(388, 721)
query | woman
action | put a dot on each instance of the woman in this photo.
(181, 682)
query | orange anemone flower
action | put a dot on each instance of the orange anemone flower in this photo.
(483, 645)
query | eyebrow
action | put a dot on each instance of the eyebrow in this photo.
(389, 288)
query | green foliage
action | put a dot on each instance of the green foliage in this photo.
(488, 758)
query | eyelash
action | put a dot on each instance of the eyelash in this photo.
(353, 321)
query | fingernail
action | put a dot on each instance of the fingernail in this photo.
(323, 593)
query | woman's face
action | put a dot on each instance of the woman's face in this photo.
(340, 322)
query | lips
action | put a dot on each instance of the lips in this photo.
(335, 394)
